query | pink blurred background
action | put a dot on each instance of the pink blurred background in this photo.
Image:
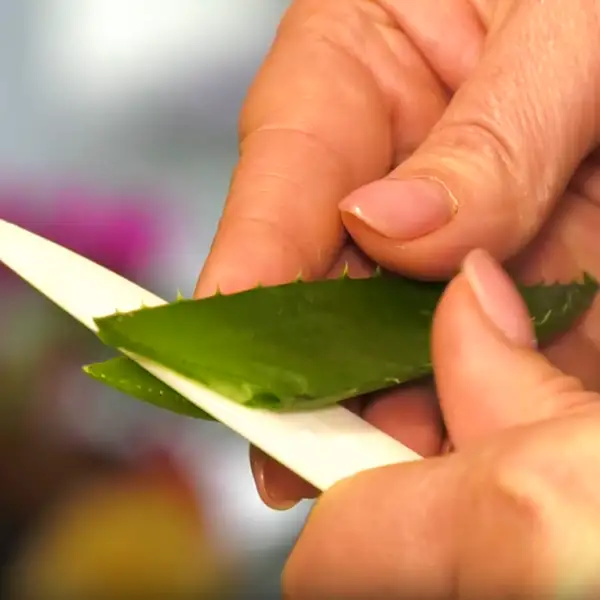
(117, 139)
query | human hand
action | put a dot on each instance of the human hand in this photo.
(514, 512)
(424, 129)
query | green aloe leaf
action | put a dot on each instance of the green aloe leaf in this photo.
(301, 345)
(128, 377)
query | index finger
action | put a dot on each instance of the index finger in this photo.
(313, 128)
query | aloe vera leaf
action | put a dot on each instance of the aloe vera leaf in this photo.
(126, 376)
(304, 345)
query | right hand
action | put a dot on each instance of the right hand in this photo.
(513, 513)
(353, 125)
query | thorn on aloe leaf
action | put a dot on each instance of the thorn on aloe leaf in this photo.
(388, 314)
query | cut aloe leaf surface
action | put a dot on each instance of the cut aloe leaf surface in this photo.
(301, 345)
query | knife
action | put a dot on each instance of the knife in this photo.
(322, 446)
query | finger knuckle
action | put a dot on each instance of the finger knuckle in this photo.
(481, 149)
(485, 145)
(509, 525)
(519, 487)
(526, 488)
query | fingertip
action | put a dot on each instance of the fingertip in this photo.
(489, 376)
(277, 486)
(498, 298)
(249, 252)
(401, 224)
(401, 210)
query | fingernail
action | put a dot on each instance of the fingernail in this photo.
(259, 463)
(402, 210)
(498, 298)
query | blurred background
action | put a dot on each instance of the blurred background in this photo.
(117, 138)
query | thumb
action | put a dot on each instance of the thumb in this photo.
(494, 165)
(489, 374)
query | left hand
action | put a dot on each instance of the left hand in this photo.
(514, 512)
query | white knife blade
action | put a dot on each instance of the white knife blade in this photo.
(321, 446)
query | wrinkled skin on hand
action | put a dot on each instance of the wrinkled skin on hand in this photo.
(406, 134)
(513, 512)
(357, 96)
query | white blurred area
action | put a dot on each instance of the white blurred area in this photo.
(146, 93)
(130, 91)
(135, 56)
